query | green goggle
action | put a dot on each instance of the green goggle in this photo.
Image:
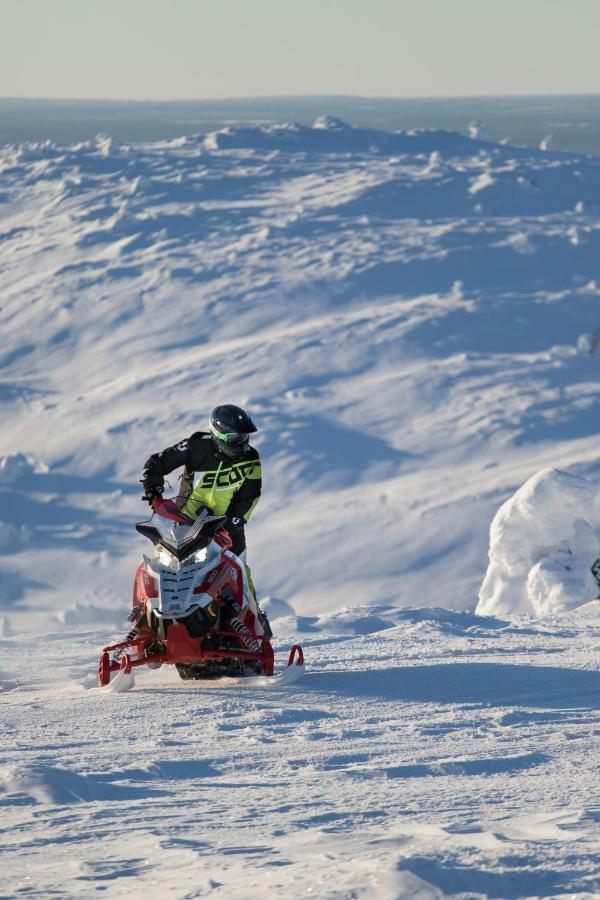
(230, 437)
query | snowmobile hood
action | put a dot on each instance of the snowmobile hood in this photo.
(179, 539)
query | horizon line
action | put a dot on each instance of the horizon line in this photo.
(258, 97)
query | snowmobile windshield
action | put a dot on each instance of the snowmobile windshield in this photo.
(178, 538)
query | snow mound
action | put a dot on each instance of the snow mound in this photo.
(13, 535)
(6, 683)
(276, 608)
(589, 612)
(45, 784)
(547, 142)
(360, 621)
(41, 783)
(331, 123)
(542, 548)
(17, 465)
(477, 129)
(588, 344)
(89, 614)
(331, 135)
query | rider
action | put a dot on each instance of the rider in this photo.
(222, 472)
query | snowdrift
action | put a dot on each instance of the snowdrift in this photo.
(543, 548)
(15, 466)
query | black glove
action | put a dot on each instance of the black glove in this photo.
(153, 490)
(234, 522)
(234, 525)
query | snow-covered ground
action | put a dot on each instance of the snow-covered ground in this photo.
(426, 753)
(410, 319)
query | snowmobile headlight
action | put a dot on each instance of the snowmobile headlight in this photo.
(166, 558)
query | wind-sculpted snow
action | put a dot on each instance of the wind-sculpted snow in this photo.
(400, 312)
(543, 548)
(331, 135)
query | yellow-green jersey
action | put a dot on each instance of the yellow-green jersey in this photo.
(226, 486)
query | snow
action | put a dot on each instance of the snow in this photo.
(404, 316)
(448, 754)
(542, 548)
(589, 343)
(477, 129)
(547, 142)
(17, 465)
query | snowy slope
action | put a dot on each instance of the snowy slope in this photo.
(400, 313)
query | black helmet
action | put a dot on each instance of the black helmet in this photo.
(230, 426)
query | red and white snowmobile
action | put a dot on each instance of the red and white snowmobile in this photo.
(192, 605)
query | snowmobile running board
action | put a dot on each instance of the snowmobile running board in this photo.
(180, 647)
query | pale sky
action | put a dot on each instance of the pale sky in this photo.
(186, 49)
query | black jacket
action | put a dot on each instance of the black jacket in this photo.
(226, 486)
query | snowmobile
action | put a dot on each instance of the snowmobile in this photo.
(192, 605)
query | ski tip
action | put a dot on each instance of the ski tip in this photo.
(121, 683)
(296, 656)
(290, 675)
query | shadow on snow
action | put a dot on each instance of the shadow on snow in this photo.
(479, 683)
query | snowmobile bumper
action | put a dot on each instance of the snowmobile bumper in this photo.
(180, 647)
